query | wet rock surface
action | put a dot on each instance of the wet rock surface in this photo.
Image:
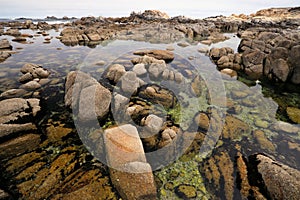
(42, 156)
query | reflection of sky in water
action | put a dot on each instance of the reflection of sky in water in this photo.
(61, 59)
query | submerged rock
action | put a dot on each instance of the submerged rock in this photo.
(158, 95)
(19, 145)
(293, 114)
(129, 83)
(186, 191)
(35, 70)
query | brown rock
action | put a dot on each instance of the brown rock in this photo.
(165, 55)
(4, 44)
(294, 114)
(123, 145)
(243, 174)
(202, 121)
(115, 72)
(234, 128)
(263, 141)
(137, 185)
(8, 129)
(147, 60)
(295, 63)
(129, 172)
(94, 36)
(282, 181)
(19, 145)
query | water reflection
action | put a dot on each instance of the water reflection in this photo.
(261, 107)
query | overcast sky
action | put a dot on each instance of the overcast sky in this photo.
(191, 8)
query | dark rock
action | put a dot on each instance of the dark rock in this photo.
(19, 39)
(19, 145)
(186, 191)
(294, 61)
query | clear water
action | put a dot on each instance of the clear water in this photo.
(260, 109)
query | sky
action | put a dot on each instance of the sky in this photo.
(114, 8)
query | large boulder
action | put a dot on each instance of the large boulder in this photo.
(281, 181)
(129, 171)
(94, 102)
(276, 66)
(253, 63)
(87, 96)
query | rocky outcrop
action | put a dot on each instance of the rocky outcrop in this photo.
(88, 98)
(150, 15)
(16, 116)
(225, 58)
(274, 55)
(12, 110)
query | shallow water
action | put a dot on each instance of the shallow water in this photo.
(259, 106)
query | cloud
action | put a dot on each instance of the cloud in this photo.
(32, 8)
